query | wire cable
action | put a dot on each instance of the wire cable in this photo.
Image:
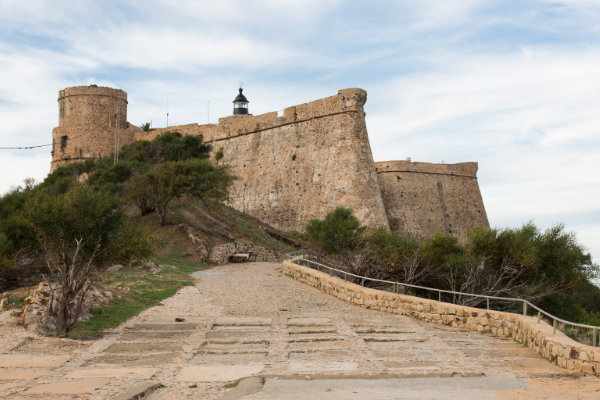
(53, 143)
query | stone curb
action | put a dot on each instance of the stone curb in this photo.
(410, 375)
(245, 387)
(138, 391)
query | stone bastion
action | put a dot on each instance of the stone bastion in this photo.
(294, 167)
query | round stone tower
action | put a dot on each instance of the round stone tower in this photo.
(88, 117)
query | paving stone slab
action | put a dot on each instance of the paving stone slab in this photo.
(308, 321)
(321, 355)
(144, 347)
(5, 387)
(217, 373)
(228, 358)
(166, 327)
(330, 345)
(308, 367)
(71, 387)
(135, 359)
(412, 365)
(138, 391)
(237, 334)
(126, 373)
(170, 319)
(311, 329)
(14, 374)
(175, 335)
(242, 321)
(245, 387)
(18, 360)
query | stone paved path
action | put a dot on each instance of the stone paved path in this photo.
(250, 319)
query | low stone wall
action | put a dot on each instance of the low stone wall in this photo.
(557, 347)
(23, 276)
(220, 254)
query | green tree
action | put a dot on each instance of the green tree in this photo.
(138, 190)
(339, 229)
(196, 178)
(81, 232)
(181, 148)
(16, 235)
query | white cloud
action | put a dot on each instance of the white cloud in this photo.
(447, 80)
(529, 119)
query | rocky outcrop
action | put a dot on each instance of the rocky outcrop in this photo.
(196, 237)
(36, 315)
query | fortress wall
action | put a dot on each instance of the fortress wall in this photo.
(423, 198)
(305, 164)
(82, 109)
(299, 166)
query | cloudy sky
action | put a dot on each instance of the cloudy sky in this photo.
(514, 85)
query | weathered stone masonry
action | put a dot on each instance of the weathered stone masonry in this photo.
(555, 347)
(81, 109)
(296, 167)
(423, 198)
(299, 166)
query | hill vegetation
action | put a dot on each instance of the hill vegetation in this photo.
(549, 268)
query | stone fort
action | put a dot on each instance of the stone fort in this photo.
(292, 167)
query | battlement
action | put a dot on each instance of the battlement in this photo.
(347, 100)
(92, 90)
(459, 169)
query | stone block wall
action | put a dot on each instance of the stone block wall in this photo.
(220, 254)
(557, 347)
(423, 198)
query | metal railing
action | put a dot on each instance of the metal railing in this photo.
(298, 257)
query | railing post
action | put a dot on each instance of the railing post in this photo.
(345, 276)
(362, 283)
(440, 293)
(488, 303)
(524, 308)
(595, 335)
(554, 327)
(539, 316)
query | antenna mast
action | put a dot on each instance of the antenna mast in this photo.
(167, 109)
(116, 160)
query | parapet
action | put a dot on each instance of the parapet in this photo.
(92, 90)
(347, 100)
(464, 169)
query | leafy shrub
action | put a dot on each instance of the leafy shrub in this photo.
(219, 154)
(339, 229)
